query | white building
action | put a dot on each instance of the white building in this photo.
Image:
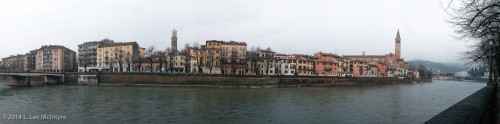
(461, 74)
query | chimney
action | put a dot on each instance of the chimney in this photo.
(363, 53)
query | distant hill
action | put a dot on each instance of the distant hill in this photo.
(442, 67)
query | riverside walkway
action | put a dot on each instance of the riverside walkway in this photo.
(478, 108)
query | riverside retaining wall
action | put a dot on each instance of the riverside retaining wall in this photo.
(194, 79)
(34, 80)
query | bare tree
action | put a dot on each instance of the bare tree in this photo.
(161, 58)
(196, 45)
(187, 58)
(253, 57)
(479, 21)
(128, 60)
(211, 60)
(2, 66)
(150, 56)
(138, 60)
(166, 58)
(106, 41)
(200, 61)
(171, 59)
(269, 49)
(119, 58)
(84, 61)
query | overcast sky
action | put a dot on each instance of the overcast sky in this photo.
(344, 27)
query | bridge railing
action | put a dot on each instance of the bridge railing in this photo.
(7, 71)
(477, 108)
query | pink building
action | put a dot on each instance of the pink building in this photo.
(55, 58)
(358, 68)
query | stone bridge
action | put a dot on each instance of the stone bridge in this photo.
(23, 78)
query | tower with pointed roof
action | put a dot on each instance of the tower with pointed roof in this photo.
(174, 41)
(398, 46)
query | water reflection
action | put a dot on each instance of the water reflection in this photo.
(403, 103)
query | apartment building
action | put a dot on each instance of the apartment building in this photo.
(117, 57)
(55, 58)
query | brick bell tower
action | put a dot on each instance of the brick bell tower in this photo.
(398, 46)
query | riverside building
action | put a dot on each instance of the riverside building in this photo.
(55, 58)
(117, 57)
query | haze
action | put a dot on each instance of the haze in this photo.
(344, 27)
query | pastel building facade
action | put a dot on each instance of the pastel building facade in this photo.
(233, 58)
(267, 62)
(87, 55)
(55, 58)
(305, 65)
(210, 57)
(324, 64)
(286, 65)
(359, 68)
(117, 57)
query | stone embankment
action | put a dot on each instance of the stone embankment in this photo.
(224, 81)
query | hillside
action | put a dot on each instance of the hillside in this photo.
(442, 67)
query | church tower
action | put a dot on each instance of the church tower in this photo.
(398, 46)
(174, 41)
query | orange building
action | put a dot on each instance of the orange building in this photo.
(324, 64)
(358, 68)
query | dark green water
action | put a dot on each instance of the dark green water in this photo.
(402, 103)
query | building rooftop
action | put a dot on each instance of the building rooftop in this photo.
(214, 41)
(364, 56)
(398, 38)
(234, 43)
(266, 51)
(328, 54)
(118, 44)
(45, 47)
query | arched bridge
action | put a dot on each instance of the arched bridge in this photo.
(24, 78)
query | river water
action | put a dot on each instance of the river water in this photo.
(400, 103)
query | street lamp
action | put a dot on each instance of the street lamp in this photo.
(491, 65)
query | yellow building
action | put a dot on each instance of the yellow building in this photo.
(305, 65)
(252, 57)
(193, 53)
(209, 57)
(141, 52)
(117, 57)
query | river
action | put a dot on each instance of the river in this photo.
(400, 103)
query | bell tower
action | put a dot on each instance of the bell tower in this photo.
(174, 41)
(398, 46)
